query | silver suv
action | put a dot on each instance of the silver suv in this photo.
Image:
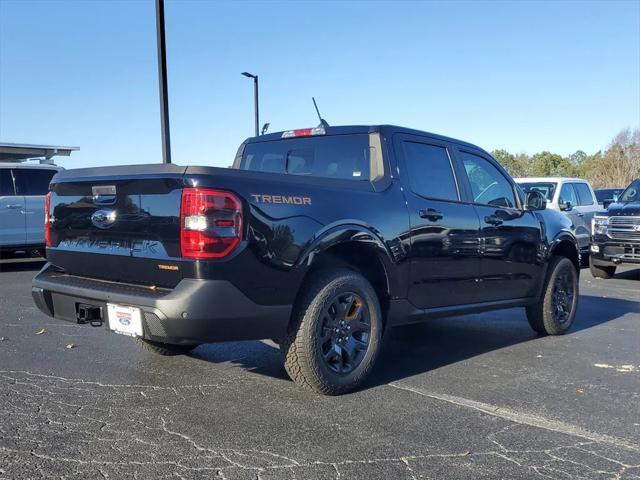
(572, 196)
(23, 188)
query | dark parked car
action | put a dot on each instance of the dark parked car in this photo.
(321, 239)
(607, 195)
(616, 234)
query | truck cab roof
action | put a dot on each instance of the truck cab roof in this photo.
(354, 129)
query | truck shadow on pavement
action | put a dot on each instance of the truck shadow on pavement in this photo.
(628, 275)
(22, 265)
(420, 348)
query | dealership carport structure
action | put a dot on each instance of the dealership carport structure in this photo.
(20, 152)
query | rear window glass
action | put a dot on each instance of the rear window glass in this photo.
(32, 181)
(6, 183)
(584, 193)
(336, 156)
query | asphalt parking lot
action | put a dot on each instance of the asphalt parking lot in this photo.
(463, 398)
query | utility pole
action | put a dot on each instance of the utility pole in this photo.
(162, 77)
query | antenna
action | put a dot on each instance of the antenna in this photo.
(323, 122)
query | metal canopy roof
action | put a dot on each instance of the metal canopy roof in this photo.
(18, 152)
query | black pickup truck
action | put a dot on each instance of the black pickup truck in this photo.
(319, 238)
(616, 234)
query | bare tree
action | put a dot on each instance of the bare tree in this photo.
(620, 163)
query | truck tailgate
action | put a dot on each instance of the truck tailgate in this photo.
(118, 223)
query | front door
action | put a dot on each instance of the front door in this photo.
(511, 237)
(444, 254)
(12, 219)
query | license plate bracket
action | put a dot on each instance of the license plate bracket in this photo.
(124, 320)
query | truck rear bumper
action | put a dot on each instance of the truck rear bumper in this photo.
(195, 311)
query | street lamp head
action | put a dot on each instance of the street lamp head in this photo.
(248, 75)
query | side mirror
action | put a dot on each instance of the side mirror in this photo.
(565, 206)
(608, 202)
(534, 200)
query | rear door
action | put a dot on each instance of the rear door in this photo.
(511, 237)
(587, 205)
(33, 183)
(444, 255)
(12, 219)
(580, 229)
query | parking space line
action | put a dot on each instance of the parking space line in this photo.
(522, 418)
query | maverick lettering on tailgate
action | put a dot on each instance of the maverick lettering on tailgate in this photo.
(287, 199)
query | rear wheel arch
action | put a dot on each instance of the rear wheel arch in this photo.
(363, 254)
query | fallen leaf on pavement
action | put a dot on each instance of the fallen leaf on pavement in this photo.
(40, 332)
(602, 365)
(626, 368)
(466, 454)
(70, 346)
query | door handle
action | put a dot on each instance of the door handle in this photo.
(581, 214)
(493, 220)
(14, 206)
(431, 214)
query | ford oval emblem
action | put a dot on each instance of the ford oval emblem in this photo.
(103, 218)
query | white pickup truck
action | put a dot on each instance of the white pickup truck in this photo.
(23, 187)
(572, 196)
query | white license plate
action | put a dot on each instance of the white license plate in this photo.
(125, 320)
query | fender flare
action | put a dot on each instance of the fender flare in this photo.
(352, 232)
(563, 236)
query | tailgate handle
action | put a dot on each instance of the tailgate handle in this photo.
(104, 199)
(104, 194)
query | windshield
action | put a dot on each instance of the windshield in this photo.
(545, 188)
(632, 193)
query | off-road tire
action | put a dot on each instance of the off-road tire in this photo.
(541, 315)
(165, 349)
(598, 271)
(304, 362)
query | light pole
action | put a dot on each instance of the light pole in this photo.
(162, 79)
(255, 98)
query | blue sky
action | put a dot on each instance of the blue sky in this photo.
(524, 76)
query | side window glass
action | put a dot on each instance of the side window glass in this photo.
(33, 181)
(584, 193)
(567, 194)
(6, 183)
(488, 185)
(429, 171)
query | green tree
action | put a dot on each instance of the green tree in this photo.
(516, 165)
(546, 164)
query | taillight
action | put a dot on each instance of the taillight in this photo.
(47, 220)
(210, 223)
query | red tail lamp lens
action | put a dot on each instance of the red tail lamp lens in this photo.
(210, 223)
